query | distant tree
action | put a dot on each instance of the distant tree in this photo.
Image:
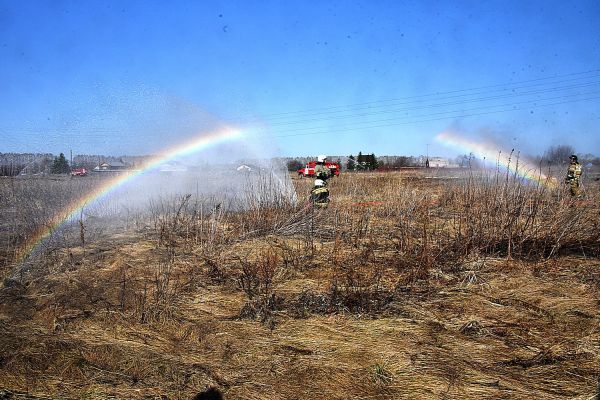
(373, 162)
(589, 158)
(463, 161)
(558, 155)
(60, 165)
(294, 165)
(402, 161)
(351, 164)
(361, 163)
(468, 161)
(11, 169)
(366, 162)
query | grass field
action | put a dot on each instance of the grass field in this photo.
(410, 285)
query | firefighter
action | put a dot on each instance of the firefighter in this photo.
(573, 175)
(319, 195)
(321, 171)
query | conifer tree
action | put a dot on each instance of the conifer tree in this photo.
(60, 165)
(374, 163)
(351, 164)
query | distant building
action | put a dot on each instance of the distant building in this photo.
(244, 168)
(113, 166)
(438, 162)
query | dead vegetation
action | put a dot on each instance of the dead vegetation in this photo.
(480, 286)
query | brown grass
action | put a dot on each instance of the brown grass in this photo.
(410, 285)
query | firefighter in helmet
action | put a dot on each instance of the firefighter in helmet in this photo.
(321, 171)
(573, 176)
(319, 195)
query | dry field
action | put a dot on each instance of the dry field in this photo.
(410, 285)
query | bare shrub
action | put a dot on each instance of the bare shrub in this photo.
(296, 255)
(356, 284)
(256, 279)
(503, 214)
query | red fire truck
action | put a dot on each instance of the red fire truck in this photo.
(78, 172)
(309, 170)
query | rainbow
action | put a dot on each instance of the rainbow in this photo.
(72, 212)
(492, 151)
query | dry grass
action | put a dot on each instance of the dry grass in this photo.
(407, 286)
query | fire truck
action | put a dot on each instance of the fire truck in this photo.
(309, 169)
(78, 172)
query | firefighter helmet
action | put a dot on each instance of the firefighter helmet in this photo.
(573, 157)
(319, 182)
(321, 158)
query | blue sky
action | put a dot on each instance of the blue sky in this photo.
(333, 77)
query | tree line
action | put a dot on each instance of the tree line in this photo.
(12, 164)
(556, 155)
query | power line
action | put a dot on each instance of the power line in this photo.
(481, 99)
(97, 132)
(513, 105)
(513, 90)
(432, 119)
(94, 133)
(499, 85)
